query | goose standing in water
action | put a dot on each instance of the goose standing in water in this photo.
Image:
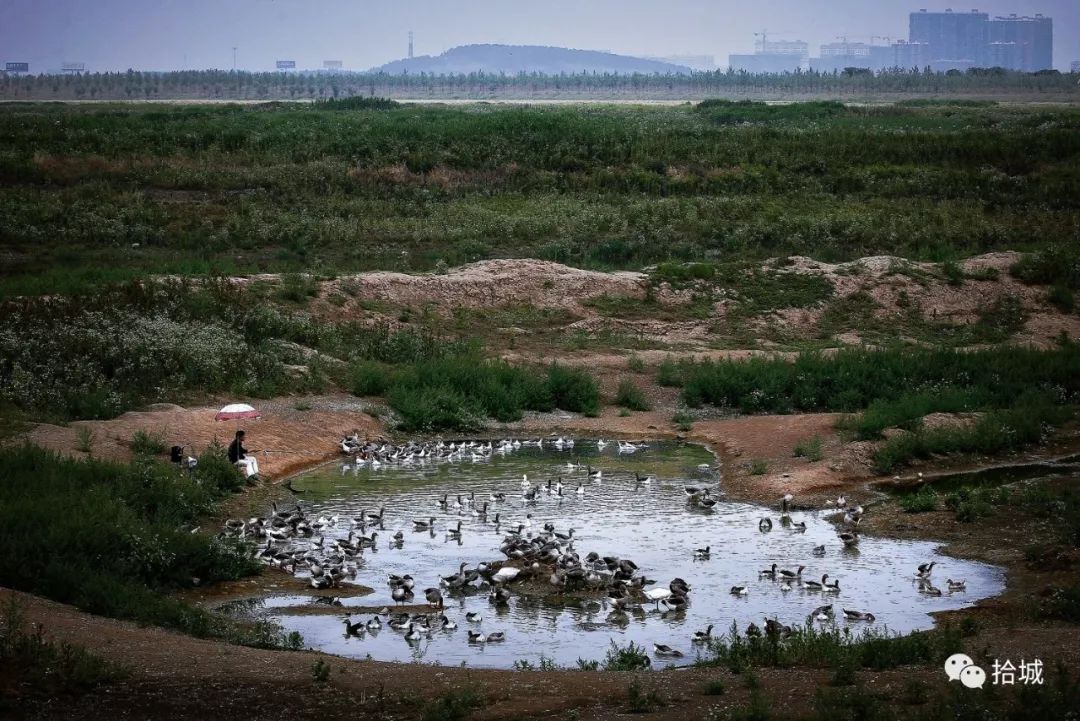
(814, 585)
(858, 616)
(662, 650)
(792, 574)
(353, 629)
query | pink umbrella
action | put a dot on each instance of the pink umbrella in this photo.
(236, 411)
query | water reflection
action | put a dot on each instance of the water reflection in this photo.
(616, 515)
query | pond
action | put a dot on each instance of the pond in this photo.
(652, 524)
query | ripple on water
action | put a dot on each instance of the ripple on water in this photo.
(653, 525)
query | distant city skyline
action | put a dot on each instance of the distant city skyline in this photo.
(114, 35)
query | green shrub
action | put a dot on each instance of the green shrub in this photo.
(320, 671)
(1061, 298)
(128, 545)
(148, 444)
(636, 364)
(629, 396)
(683, 420)
(630, 657)
(573, 389)
(810, 449)
(922, 501)
(759, 467)
(453, 705)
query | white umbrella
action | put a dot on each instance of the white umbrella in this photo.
(236, 411)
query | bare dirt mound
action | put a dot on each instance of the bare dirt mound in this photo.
(490, 283)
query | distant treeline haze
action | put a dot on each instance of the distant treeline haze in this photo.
(219, 84)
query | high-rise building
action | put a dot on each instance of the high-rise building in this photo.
(955, 39)
(910, 55)
(766, 62)
(1033, 38)
(837, 56)
(785, 47)
(1005, 55)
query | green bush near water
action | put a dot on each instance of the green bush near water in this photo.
(461, 392)
(853, 379)
(114, 539)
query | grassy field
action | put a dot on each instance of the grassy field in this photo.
(107, 192)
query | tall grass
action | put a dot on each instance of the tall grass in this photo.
(461, 392)
(113, 539)
(997, 431)
(854, 379)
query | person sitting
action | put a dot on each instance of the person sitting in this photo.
(238, 455)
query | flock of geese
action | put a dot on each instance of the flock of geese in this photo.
(294, 542)
(361, 454)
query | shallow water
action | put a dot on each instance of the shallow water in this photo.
(653, 525)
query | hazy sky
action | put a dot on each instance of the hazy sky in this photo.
(168, 34)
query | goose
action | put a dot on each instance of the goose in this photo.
(785, 587)
(929, 589)
(814, 585)
(785, 502)
(601, 444)
(926, 568)
(956, 585)
(454, 532)
(401, 595)
(702, 553)
(841, 501)
(496, 636)
(399, 623)
(473, 617)
(849, 539)
(477, 637)
(826, 610)
(374, 624)
(661, 650)
(799, 527)
(768, 572)
(739, 591)
(692, 491)
(792, 574)
(569, 535)
(752, 631)
(833, 587)
(580, 489)
(707, 502)
(412, 634)
(819, 550)
(447, 624)
(764, 525)
(433, 597)
(420, 525)
(398, 537)
(703, 636)
(596, 476)
(353, 629)
(525, 481)
(656, 595)
(499, 595)
(858, 616)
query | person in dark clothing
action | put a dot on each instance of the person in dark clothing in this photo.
(238, 455)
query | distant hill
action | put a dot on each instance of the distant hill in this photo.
(513, 59)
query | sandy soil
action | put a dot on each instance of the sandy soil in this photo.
(288, 439)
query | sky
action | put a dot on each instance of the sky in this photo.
(112, 35)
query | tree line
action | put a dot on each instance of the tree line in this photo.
(242, 85)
